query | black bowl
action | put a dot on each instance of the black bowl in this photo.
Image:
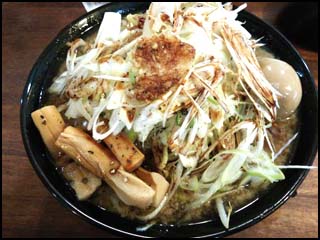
(45, 69)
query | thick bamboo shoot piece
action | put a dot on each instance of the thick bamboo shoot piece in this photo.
(101, 162)
(81, 180)
(50, 124)
(128, 187)
(83, 149)
(156, 181)
(125, 151)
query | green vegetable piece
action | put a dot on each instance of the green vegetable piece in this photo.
(179, 119)
(212, 100)
(84, 99)
(132, 135)
(132, 77)
(191, 123)
(273, 174)
(164, 159)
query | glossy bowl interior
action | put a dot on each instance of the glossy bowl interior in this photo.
(46, 68)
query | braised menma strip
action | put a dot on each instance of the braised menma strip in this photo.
(158, 183)
(81, 180)
(126, 152)
(101, 162)
(50, 124)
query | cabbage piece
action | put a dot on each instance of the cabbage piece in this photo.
(114, 68)
(109, 28)
(202, 128)
(115, 99)
(156, 11)
(76, 109)
(59, 84)
(147, 119)
(94, 67)
(147, 32)
(220, 52)
(115, 122)
(167, 8)
(84, 60)
(197, 38)
(188, 162)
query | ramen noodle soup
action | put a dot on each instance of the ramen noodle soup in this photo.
(174, 115)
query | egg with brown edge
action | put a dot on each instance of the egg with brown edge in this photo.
(283, 78)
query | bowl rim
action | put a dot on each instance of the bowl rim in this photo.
(64, 202)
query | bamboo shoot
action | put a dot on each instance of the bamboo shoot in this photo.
(126, 152)
(50, 124)
(156, 181)
(81, 180)
(101, 162)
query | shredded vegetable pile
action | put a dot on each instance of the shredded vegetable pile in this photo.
(182, 80)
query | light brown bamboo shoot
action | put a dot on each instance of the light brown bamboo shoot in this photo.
(50, 124)
(83, 149)
(81, 180)
(126, 152)
(101, 162)
(156, 181)
(130, 189)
